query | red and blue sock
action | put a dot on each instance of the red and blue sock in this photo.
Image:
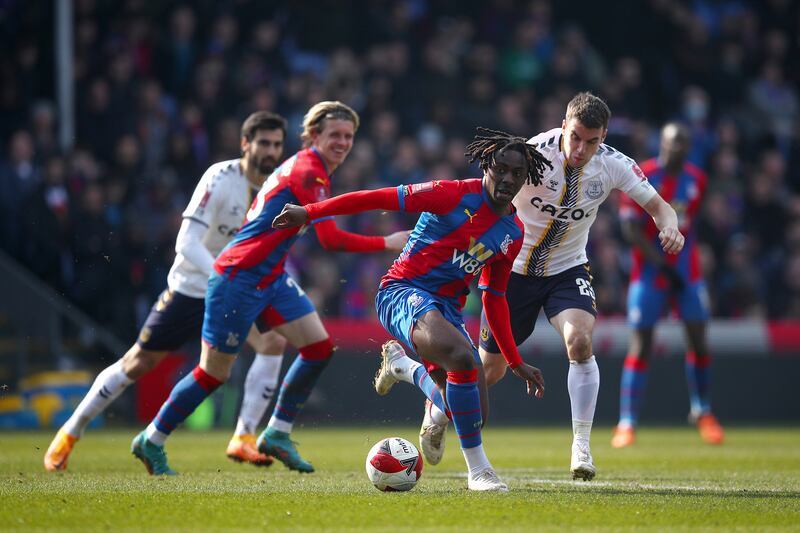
(424, 381)
(300, 380)
(465, 406)
(186, 395)
(698, 378)
(632, 387)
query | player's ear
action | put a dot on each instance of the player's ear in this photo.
(563, 125)
(243, 144)
(603, 136)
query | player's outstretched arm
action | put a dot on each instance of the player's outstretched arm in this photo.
(667, 223)
(494, 280)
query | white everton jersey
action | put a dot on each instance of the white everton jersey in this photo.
(219, 202)
(558, 213)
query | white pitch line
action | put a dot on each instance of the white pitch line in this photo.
(628, 485)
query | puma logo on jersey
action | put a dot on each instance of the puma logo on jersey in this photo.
(471, 216)
(471, 260)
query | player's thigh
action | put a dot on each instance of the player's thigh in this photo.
(174, 320)
(291, 313)
(646, 303)
(570, 290)
(232, 306)
(441, 342)
(524, 295)
(693, 303)
(268, 342)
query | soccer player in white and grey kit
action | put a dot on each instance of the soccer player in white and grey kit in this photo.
(213, 216)
(552, 270)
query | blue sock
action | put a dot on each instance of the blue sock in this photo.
(698, 378)
(297, 386)
(186, 395)
(465, 406)
(632, 387)
(424, 381)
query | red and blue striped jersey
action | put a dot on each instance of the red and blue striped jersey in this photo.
(684, 192)
(457, 235)
(258, 251)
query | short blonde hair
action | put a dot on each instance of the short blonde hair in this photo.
(316, 116)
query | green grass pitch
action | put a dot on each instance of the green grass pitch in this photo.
(668, 481)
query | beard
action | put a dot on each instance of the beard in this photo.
(265, 166)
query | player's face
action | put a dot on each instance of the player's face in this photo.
(335, 141)
(674, 146)
(580, 142)
(505, 177)
(264, 151)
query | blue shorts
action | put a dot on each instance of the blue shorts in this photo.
(526, 295)
(400, 305)
(232, 305)
(646, 303)
(174, 320)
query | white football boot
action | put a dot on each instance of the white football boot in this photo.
(581, 464)
(431, 437)
(486, 480)
(391, 353)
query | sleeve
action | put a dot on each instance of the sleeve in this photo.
(355, 202)
(202, 205)
(331, 237)
(437, 196)
(493, 282)
(190, 245)
(629, 178)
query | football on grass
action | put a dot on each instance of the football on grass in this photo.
(394, 464)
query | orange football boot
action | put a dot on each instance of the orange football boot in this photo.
(242, 449)
(710, 430)
(59, 450)
(623, 437)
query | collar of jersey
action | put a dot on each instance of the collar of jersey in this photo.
(321, 160)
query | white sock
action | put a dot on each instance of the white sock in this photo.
(404, 368)
(107, 387)
(155, 436)
(280, 425)
(476, 459)
(437, 416)
(583, 383)
(259, 387)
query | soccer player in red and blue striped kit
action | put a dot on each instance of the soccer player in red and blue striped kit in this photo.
(467, 227)
(250, 285)
(658, 280)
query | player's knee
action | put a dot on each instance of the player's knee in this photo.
(494, 368)
(460, 359)
(137, 361)
(270, 343)
(579, 346)
(318, 351)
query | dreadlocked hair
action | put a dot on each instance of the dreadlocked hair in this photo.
(489, 142)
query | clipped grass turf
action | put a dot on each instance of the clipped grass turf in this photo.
(668, 481)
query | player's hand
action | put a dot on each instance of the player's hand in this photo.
(533, 377)
(292, 216)
(675, 280)
(397, 240)
(671, 240)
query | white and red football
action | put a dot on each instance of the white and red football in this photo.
(394, 464)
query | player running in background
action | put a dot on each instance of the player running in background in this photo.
(659, 280)
(212, 217)
(552, 270)
(249, 284)
(466, 226)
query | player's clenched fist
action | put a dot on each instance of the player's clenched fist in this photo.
(671, 240)
(291, 217)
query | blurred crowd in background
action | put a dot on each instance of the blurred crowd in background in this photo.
(163, 87)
